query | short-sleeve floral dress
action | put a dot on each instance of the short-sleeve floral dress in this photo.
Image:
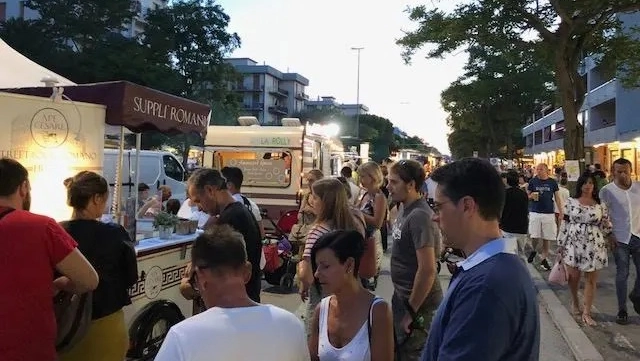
(583, 236)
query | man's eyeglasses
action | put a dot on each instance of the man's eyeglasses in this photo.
(437, 206)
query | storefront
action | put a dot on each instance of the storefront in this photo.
(606, 153)
(552, 159)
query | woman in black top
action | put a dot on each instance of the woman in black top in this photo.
(110, 251)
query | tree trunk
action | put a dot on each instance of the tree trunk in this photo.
(571, 104)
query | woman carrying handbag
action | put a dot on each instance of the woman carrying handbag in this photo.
(582, 244)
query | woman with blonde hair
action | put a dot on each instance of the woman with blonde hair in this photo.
(331, 206)
(110, 251)
(373, 205)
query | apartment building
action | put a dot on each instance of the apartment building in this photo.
(329, 102)
(17, 9)
(267, 93)
(610, 115)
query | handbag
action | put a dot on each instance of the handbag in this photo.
(368, 265)
(558, 273)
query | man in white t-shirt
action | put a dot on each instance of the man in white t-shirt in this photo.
(233, 327)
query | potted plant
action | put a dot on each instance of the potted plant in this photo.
(165, 223)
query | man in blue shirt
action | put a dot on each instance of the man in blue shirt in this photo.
(490, 311)
(542, 191)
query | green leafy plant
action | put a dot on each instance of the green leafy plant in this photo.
(165, 220)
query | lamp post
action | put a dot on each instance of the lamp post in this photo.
(358, 49)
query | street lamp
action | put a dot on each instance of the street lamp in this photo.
(358, 49)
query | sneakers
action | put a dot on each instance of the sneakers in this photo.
(622, 318)
(545, 265)
(532, 256)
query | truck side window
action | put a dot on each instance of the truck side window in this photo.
(172, 168)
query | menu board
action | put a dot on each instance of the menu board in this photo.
(262, 172)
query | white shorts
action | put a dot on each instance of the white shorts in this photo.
(543, 226)
(517, 242)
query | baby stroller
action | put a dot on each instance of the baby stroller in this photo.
(280, 266)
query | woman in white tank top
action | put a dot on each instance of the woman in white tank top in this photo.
(352, 324)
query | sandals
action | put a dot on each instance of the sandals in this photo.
(587, 320)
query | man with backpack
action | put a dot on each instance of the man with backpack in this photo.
(235, 178)
(208, 188)
(33, 248)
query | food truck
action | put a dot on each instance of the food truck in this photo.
(57, 138)
(274, 159)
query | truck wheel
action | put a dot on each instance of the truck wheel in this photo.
(150, 328)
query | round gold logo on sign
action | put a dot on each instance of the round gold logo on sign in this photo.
(49, 128)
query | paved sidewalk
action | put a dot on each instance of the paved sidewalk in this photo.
(613, 341)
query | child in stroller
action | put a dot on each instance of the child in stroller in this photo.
(281, 261)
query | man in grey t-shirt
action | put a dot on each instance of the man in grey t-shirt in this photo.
(416, 239)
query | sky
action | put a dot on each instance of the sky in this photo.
(314, 38)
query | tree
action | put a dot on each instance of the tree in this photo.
(489, 103)
(82, 23)
(83, 41)
(566, 32)
(191, 36)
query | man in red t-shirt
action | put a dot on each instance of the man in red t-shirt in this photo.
(32, 247)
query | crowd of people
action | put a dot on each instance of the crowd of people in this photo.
(597, 218)
(345, 223)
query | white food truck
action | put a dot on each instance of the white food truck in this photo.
(274, 159)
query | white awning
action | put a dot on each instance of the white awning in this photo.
(18, 71)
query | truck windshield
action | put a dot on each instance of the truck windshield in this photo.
(260, 168)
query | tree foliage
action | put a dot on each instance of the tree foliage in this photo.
(489, 103)
(558, 30)
(191, 38)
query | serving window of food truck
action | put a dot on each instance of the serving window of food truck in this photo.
(261, 168)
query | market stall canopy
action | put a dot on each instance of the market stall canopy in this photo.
(137, 107)
(18, 71)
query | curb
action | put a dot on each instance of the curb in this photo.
(580, 345)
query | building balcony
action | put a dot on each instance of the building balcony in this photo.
(254, 106)
(602, 94)
(255, 88)
(302, 96)
(279, 110)
(279, 92)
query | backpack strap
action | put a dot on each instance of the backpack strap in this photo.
(375, 300)
(6, 212)
(246, 202)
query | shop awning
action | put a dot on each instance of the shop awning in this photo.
(136, 107)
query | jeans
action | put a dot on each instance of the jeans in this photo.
(622, 255)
